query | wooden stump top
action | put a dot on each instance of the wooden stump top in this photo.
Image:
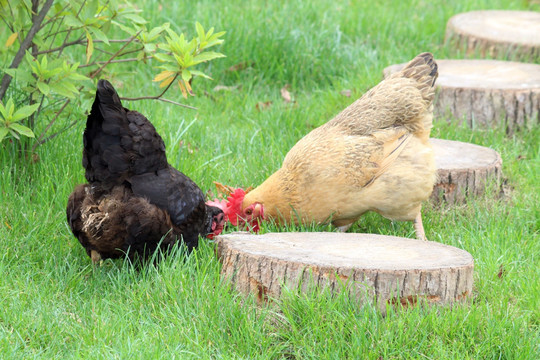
(515, 27)
(457, 155)
(483, 74)
(349, 250)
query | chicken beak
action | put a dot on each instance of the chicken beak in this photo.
(258, 212)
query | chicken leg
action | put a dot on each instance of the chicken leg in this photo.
(419, 228)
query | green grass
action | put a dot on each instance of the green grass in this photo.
(55, 305)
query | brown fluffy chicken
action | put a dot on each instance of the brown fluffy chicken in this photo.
(373, 156)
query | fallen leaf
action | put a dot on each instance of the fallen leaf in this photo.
(241, 66)
(226, 88)
(502, 272)
(285, 94)
(346, 92)
(263, 105)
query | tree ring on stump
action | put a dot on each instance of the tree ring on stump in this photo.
(372, 268)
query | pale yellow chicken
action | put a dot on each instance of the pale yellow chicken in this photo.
(373, 156)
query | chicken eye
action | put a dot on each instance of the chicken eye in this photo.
(249, 212)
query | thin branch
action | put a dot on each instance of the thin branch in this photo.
(159, 97)
(81, 41)
(40, 138)
(94, 74)
(41, 142)
(53, 19)
(177, 103)
(114, 61)
(27, 42)
(7, 24)
(75, 42)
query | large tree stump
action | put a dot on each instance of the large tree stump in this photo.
(502, 34)
(372, 268)
(463, 170)
(486, 92)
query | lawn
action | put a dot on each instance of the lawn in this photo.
(54, 304)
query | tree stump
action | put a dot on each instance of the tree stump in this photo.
(372, 268)
(502, 34)
(486, 92)
(463, 170)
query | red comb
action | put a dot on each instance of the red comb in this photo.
(234, 205)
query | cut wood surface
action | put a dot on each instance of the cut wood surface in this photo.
(499, 34)
(486, 92)
(463, 169)
(382, 269)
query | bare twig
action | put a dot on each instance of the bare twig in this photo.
(41, 142)
(95, 73)
(177, 103)
(159, 97)
(114, 61)
(27, 42)
(81, 41)
(40, 138)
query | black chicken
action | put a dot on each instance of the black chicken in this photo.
(135, 201)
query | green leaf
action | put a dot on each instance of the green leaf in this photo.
(21, 129)
(72, 21)
(64, 88)
(135, 18)
(14, 134)
(21, 75)
(89, 47)
(127, 29)
(100, 35)
(206, 56)
(24, 112)
(163, 57)
(3, 133)
(188, 60)
(150, 48)
(186, 75)
(200, 31)
(153, 34)
(43, 87)
(10, 109)
(200, 73)
(77, 76)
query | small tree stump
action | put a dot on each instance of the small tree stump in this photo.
(486, 92)
(382, 269)
(502, 34)
(463, 170)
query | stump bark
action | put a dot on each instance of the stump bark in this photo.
(486, 92)
(372, 268)
(463, 170)
(502, 34)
